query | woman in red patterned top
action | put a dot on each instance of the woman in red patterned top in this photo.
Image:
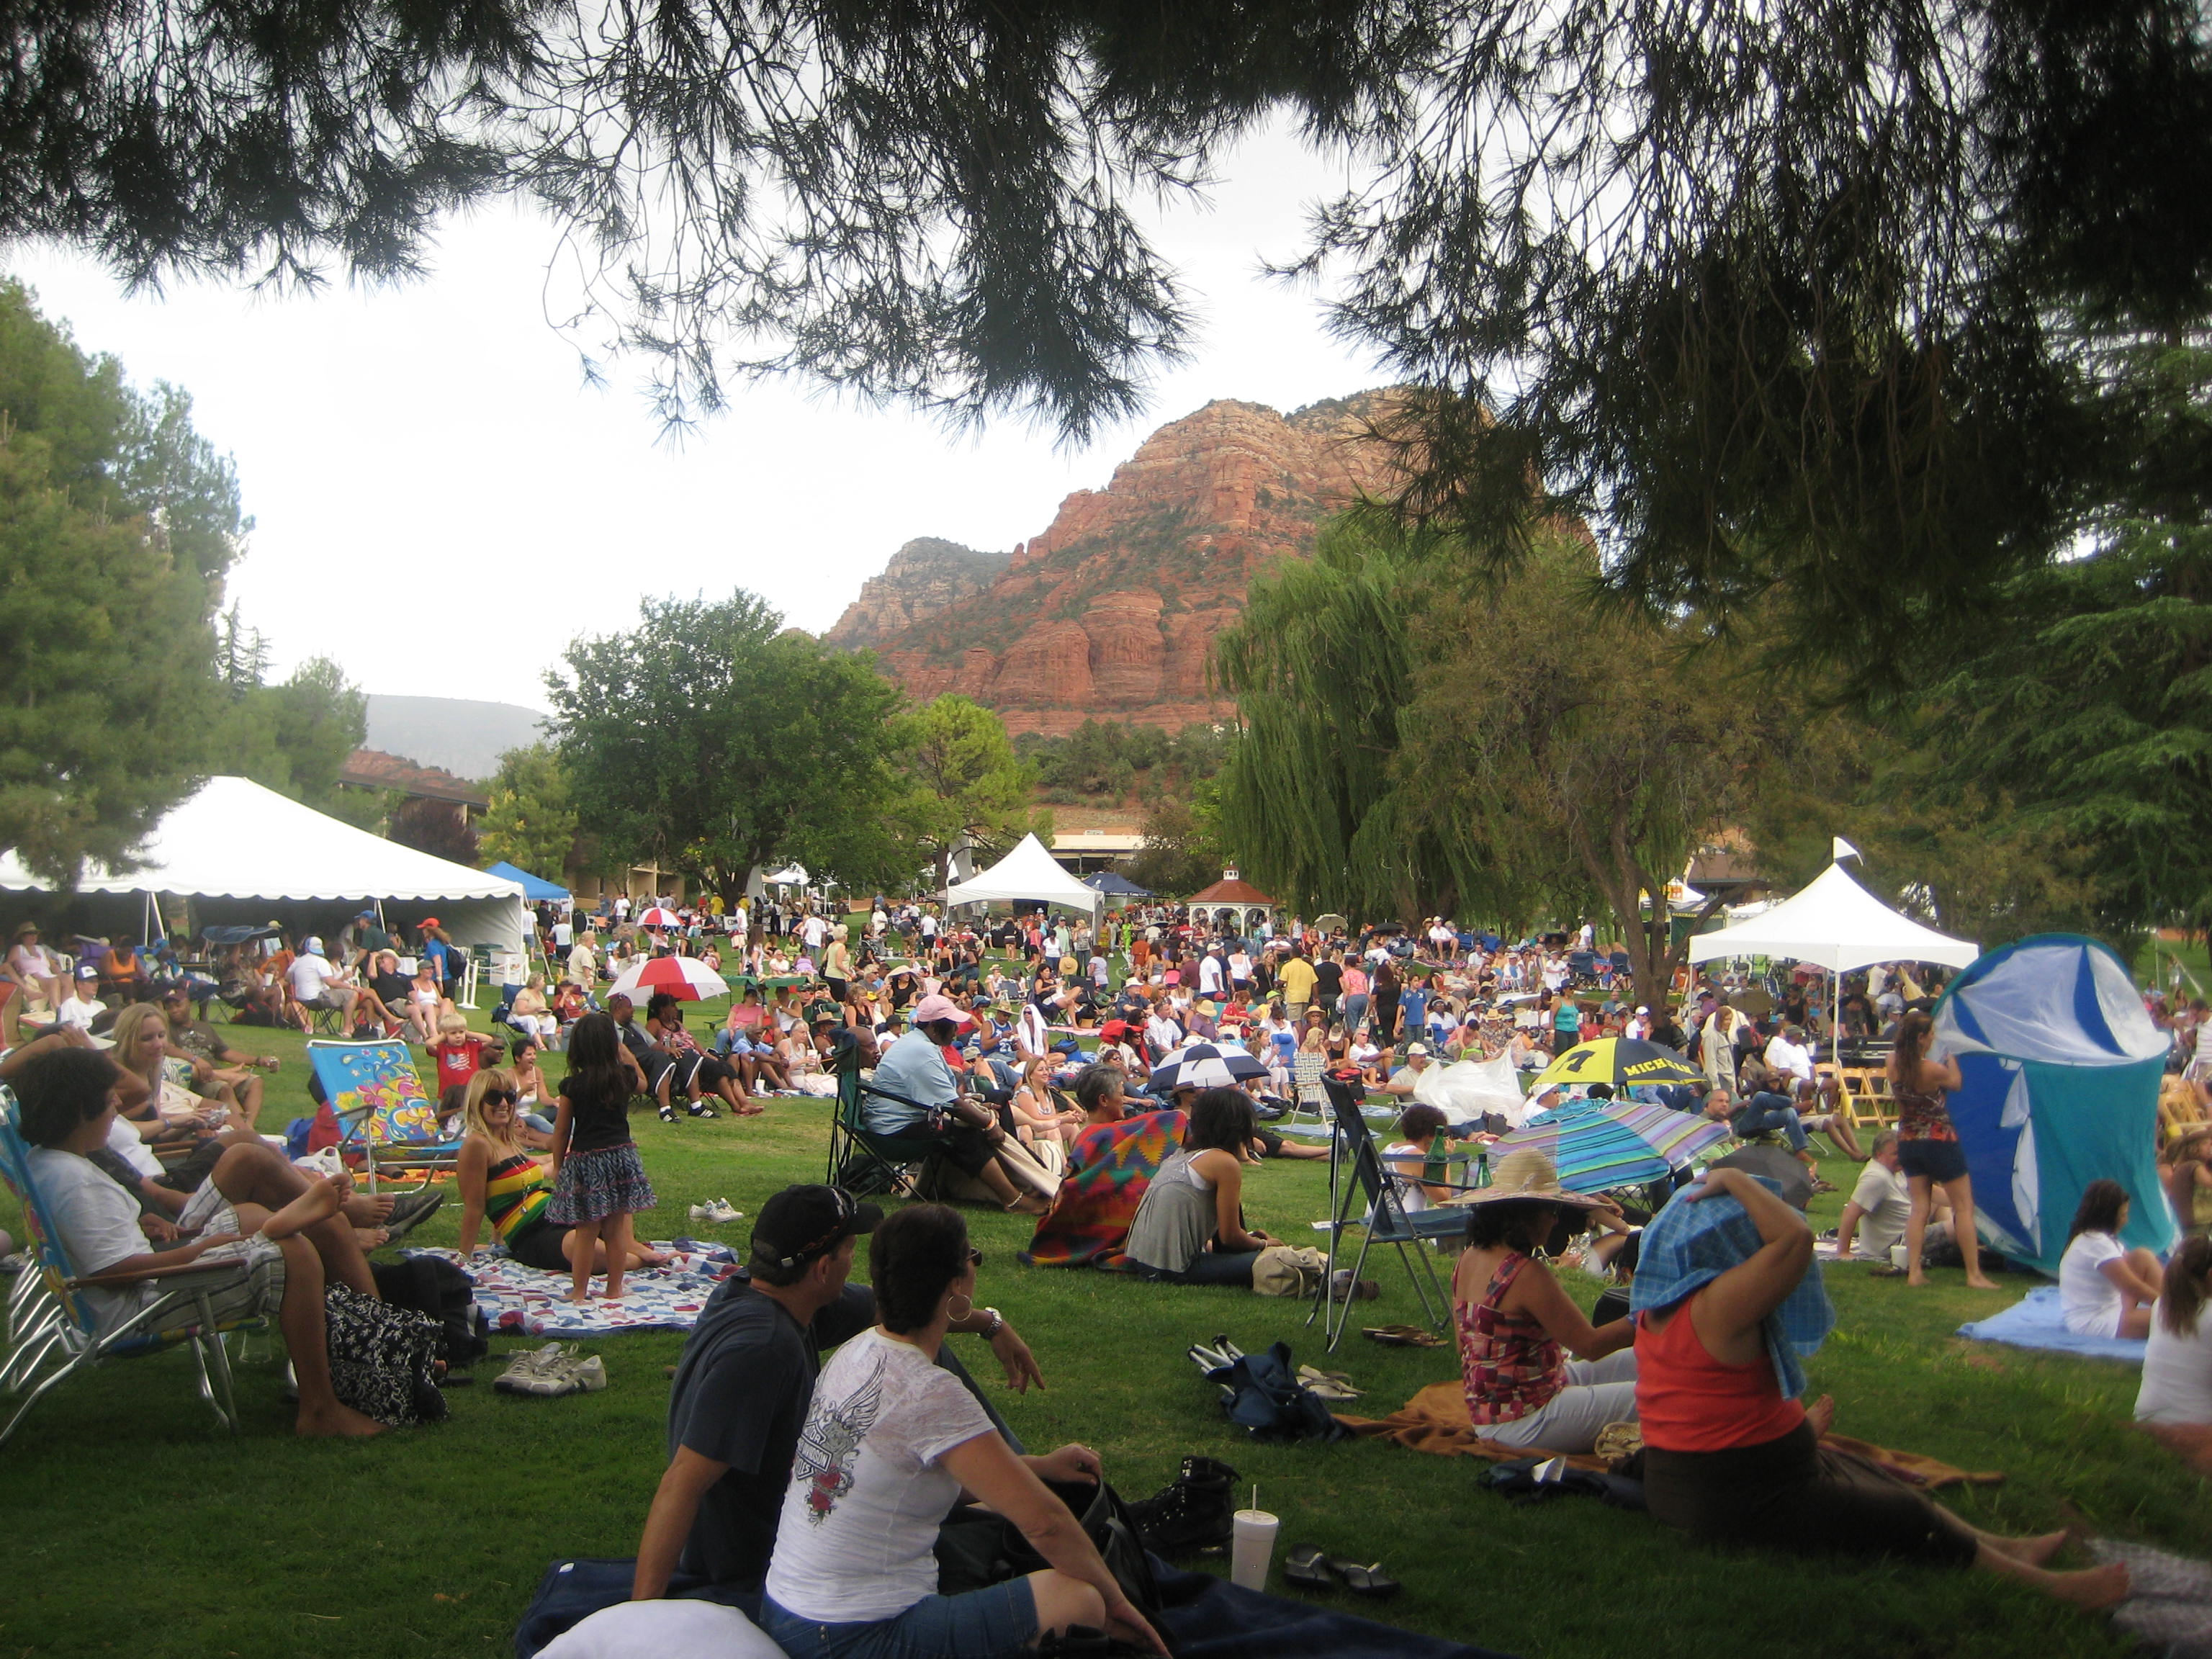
(1514, 1320)
(1928, 1151)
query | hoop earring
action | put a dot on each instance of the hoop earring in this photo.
(963, 1312)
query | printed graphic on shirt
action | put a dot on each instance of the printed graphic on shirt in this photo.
(830, 1444)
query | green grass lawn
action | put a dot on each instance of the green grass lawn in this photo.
(135, 1528)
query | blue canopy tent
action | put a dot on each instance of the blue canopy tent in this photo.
(2062, 1065)
(534, 888)
(1114, 885)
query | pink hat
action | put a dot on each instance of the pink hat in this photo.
(930, 1008)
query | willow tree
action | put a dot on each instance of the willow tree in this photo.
(1321, 664)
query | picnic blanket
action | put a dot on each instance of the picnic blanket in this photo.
(2034, 1321)
(1435, 1420)
(2169, 1605)
(520, 1301)
(1113, 1164)
(1204, 1617)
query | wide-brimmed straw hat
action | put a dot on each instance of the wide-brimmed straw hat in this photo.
(1528, 1174)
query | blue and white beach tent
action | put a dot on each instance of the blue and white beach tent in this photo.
(2062, 1065)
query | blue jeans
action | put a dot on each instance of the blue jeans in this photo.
(998, 1622)
(1354, 1008)
(1766, 1111)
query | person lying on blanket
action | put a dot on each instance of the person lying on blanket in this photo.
(285, 1230)
(744, 1381)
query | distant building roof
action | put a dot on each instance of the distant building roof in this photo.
(371, 769)
(1724, 871)
(1231, 889)
(1097, 840)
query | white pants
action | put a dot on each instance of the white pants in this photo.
(1598, 1392)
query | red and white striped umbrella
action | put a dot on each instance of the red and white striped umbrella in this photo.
(686, 977)
(660, 916)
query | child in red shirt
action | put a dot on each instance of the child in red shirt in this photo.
(460, 1053)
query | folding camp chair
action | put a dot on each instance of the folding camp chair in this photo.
(52, 1332)
(866, 1161)
(1308, 1075)
(1366, 1195)
(394, 1125)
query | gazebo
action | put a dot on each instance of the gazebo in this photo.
(1232, 899)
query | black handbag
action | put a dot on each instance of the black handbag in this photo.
(977, 1549)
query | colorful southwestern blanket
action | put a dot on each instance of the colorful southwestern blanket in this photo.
(1110, 1166)
(520, 1301)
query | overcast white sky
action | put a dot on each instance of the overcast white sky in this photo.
(442, 503)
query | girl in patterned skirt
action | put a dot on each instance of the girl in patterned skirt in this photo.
(598, 1183)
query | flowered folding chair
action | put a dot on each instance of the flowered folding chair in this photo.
(52, 1332)
(384, 1116)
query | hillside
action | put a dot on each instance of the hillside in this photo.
(1109, 612)
(925, 576)
(457, 734)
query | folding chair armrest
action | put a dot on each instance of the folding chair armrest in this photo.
(139, 1275)
(868, 1088)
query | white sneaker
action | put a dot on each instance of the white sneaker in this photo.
(586, 1375)
(716, 1212)
(541, 1371)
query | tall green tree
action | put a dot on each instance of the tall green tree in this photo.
(116, 524)
(1321, 664)
(532, 821)
(293, 737)
(713, 740)
(1778, 299)
(963, 780)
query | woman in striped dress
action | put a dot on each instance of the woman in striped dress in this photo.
(503, 1184)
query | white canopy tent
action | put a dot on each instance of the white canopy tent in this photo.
(235, 840)
(1027, 872)
(1837, 924)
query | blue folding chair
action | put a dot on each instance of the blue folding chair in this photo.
(1366, 1195)
(52, 1332)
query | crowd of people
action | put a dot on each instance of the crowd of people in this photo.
(1048, 1046)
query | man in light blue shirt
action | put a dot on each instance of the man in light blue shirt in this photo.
(929, 1117)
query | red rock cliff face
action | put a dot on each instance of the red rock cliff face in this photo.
(1109, 613)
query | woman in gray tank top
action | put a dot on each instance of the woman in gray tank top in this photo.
(1190, 1228)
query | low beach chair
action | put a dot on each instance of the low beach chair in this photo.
(52, 1333)
(393, 1126)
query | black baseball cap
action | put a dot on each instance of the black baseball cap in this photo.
(801, 1223)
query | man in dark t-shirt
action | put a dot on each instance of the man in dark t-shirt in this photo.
(745, 1378)
(1328, 983)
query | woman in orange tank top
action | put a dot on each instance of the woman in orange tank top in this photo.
(1723, 1306)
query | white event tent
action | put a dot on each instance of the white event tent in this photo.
(1836, 923)
(1027, 872)
(235, 840)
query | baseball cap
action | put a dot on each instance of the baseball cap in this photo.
(802, 1223)
(937, 1007)
(1641, 1009)
(1412, 1048)
(311, 946)
(366, 915)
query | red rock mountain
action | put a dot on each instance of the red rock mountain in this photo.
(1109, 613)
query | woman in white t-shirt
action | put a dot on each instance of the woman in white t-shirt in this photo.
(2105, 1289)
(891, 1440)
(2175, 1401)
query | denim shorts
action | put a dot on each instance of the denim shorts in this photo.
(998, 1622)
(1938, 1160)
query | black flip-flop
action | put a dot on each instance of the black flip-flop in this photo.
(1309, 1569)
(1364, 1580)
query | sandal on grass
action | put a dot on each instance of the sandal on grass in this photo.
(1364, 1581)
(1308, 1568)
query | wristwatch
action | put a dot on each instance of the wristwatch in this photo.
(997, 1323)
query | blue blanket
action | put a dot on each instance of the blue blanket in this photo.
(1207, 1618)
(2035, 1322)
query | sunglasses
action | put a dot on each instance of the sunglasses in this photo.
(975, 1257)
(502, 1097)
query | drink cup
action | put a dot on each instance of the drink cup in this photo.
(1897, 1255)
(1252, 1548)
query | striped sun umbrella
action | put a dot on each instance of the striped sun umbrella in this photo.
(686, 977)
(1203, 1066)
(1598, 1144)
(1619, 1061)
(660, 916)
